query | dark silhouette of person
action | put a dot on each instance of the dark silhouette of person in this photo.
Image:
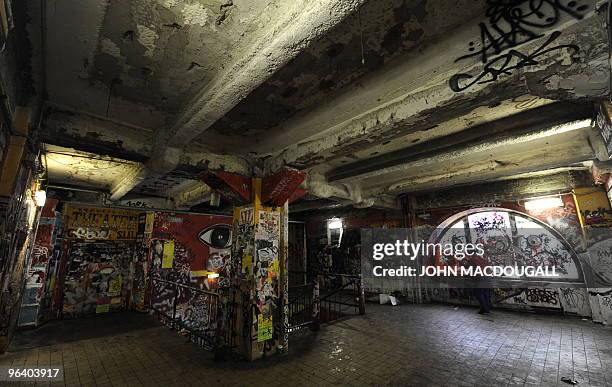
(482, 295)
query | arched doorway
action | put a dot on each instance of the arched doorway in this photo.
(512, 238)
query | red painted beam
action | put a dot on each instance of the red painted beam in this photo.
(280, 187)
(297, 194)
(232, 187)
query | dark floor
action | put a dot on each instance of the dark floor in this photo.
(403, 345)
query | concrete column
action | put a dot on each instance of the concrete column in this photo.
(284, 279)
(259, 257)
(261, 278)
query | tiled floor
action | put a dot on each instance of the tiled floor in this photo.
(403, 345)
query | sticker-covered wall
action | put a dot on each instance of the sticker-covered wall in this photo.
(187, 248)
(578, 224)
(190, 260)
(596, 216)
(99, 249)
(256, 251)
(37, 274)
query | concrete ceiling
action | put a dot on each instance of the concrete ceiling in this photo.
(372, 97)
(75, 168)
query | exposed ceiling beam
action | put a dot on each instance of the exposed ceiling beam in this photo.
(511, 188)
(95, 134)
(414, 93)
(99, 135)
(155, 167)
(446, 156)
(190, 193)
(295, 25)
(484, 162)
(525, 122)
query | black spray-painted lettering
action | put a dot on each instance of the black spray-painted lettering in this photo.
(512, 23)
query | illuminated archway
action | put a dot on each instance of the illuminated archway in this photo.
(511, 238)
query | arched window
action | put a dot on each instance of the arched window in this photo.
(510, 238)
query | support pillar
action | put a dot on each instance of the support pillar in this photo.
(260, 258)
(283, 346)
(257, 254)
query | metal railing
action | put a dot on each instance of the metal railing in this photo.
(188, 310)
(340, 295)
(302, 301)
(329, 298)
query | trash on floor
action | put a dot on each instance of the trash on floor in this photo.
(388, 299)
(567, 380)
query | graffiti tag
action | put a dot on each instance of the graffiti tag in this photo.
(512, 23)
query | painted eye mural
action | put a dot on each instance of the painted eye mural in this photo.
(218, 236)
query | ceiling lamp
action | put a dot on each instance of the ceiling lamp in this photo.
(543, 203)
(40, 197)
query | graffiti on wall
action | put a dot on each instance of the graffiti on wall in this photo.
(95, 223)
(532, 297)
(508, 238)
(188, 248)
(600, 259)
(575, 301)
(163, 297)
(96, 277)
(510, 24)
(564, 219)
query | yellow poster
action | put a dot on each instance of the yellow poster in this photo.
(114, 287)
(104, 308)
(264, 328)
(594, 207)
(168, 255)
(149, 219)
(273, 269)
(247, 264)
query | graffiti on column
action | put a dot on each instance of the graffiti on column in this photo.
(243, 245)
(266, 271)
(510, 24)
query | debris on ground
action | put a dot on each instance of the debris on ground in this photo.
(567, 380)
(388, 299)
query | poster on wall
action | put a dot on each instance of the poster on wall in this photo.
(168, 255)
(140, 265)
(95, 273)
(604, 125)
(265, 328)
(98, 223)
